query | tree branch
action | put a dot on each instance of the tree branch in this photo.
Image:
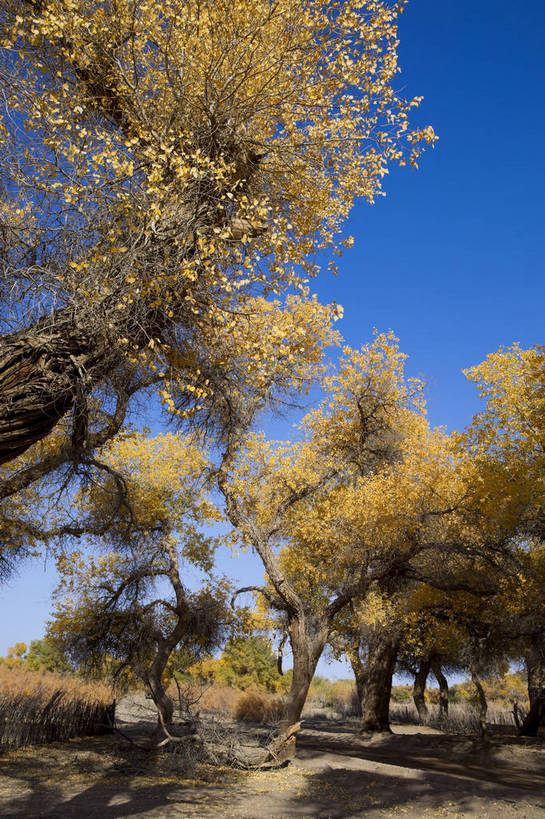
(276, 602)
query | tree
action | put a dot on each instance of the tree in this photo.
(16, 655)
(508, 437)
(45, 655)
(516, 627)
(432, 639)
(249, 662)
(163, 163)
(354, 503)
(130, 605)
(38, 484)
(512, 424)
(37, 489)
(371, 641)
(466, 629)
(397, 624)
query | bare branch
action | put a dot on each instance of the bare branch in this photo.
(275, 601)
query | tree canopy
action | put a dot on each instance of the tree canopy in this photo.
(163, 165)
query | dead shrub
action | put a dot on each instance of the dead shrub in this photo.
(221, 699)
(254, 706)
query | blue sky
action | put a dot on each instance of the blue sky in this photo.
(452, 259)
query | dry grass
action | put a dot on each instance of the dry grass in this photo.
(462, 718)
(250, 705)
(38, 707)
(255, 706)
(337, 699)
(221, 699)
(215, 698)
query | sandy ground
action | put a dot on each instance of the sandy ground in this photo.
(337, 773)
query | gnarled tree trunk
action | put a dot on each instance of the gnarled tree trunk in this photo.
(483, 705)
(162, 701)
(535, 666)
(419, 690)
(307, 640)
(535, 717)
(379, 670)
(358, 668)
(443, 688)
(42, 371)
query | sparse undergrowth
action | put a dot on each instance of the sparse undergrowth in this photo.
(338, 700)
(41, 707)
(462, 718)
(253, 704)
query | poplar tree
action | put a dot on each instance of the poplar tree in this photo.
(164, 164)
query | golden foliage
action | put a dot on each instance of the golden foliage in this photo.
(163, 483)
(178, 158)
(508, 436)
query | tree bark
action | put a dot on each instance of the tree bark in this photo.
(375, 706)
(42, 371)
(483, 705)
(162, 701)
(359, 672)
(419, 690)
(443, 688)
(536, 716)
(307, 644)
(535, 666)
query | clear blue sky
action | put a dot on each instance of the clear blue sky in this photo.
(453, 258)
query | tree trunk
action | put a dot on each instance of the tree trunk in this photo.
(535, 667)
(419, 690)
(358, 668)
(375, 706)
(443, 689)
(483, 705)
(163, 703)
(535, 717)
(307, 647)
(42, 371)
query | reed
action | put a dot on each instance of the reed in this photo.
(41, 707)
(463, 718)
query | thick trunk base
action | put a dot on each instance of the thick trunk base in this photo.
(377, 687)
(535, 667)
(483, 705)
(535, 718)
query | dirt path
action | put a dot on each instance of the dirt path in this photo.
(510, 762)
(336, 774)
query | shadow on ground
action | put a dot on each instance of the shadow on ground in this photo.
(337, 773)
(336, 792)
(103, 778)
(491, 761)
